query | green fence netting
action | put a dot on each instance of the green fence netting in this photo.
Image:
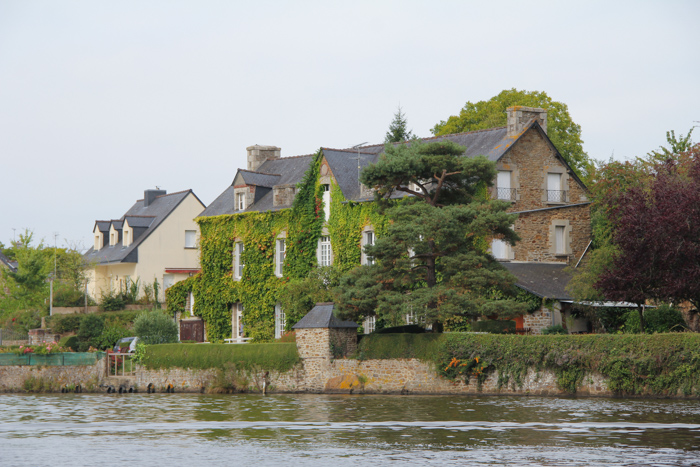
(56, 359)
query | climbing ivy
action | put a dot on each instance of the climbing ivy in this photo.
(176, 295)
(259, 289)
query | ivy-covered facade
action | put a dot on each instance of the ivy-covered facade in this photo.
(281, 217)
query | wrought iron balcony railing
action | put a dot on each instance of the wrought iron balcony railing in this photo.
(507, 194)
(557, 196)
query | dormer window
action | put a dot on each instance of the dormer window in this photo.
(98, 241)
(126, 240)
(240, 201)
(112, 239)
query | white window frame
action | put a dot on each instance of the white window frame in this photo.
(555, 183)
(98, 242)
(280, 321)
(370, 324)
(240, 201)
(368, 238)
(504, 181)
(237, 324)
(327, 201)
(280, 255)
(238, 264)
(190, 239)
(325, 251)
(190, 309)
(559, 240)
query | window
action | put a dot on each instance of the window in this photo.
(555, 193)
(98, 242)
(112, 239)
(240, 201)
(279, 257)
(503, 189)
(280, 321)
(238, 263)
(237, 329)
(370, 324)
(325, 256)
(367, 239)
(127, 236)
(190, 238)
(327, 201)
(559, 237)
(500, 249)
(190, 305)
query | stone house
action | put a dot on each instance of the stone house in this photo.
(255, 238)
(156, 239)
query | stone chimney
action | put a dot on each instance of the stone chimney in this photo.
(519, 117)
(258, 154)
(150, 195)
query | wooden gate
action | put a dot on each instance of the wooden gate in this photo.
(192, 330)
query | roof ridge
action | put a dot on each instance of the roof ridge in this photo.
(174, 193)
(135, 215)
(441, 136)
(260, 173)
(353, 151)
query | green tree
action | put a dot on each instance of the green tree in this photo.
(155, 327)
(561, 129)
(398, 130)
(299, 296)
(433, 261)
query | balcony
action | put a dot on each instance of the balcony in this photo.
(506, 194)
(557, 196)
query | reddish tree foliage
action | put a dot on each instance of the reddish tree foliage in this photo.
(656, 228)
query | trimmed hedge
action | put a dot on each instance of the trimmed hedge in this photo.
(658, 364)
(254, 357)
(71, 323)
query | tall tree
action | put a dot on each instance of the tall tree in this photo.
(561, 129)
(398, 130)
(432, 262)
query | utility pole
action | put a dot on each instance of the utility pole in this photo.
(53, 277)
(357, 146)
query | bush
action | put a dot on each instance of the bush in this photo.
(71, 342)
(382, 346)
(90, 331)
(112, 302)
(256, 357)
(555, 329)
(111, 336)
(71, 323)
(155, 327)
(494, 326)
(664, 318)
(408, 329)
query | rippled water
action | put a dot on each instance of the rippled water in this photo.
(188, 429)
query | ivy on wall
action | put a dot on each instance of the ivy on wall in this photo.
(215, 289)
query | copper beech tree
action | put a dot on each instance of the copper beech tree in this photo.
(656, 233)
(433, 262)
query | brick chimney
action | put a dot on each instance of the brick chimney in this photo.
(519, 116)
(258, 154)
(150, 195)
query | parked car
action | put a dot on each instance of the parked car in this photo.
(127, 344)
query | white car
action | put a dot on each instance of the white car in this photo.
(131, 341)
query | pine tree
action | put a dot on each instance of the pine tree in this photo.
(397, 130)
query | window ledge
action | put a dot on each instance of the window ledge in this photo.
(190, 248)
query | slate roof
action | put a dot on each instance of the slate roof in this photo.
(321, 316)
(149, 217)
(11, 265)
(290, 169)
(547, 280)
(492, 143)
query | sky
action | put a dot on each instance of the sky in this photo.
(100, 101)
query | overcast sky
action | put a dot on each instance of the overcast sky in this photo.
(101, 100)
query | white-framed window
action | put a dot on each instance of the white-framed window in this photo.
(240, 201)
(237, 328)
(190, 238)
(367, 239)
(112, 238)
(238, 263)
(370, 324)
(559, 239)
(327, 201)
(499, 249)
(280, 254)
(555, 190)
(504, 190)
(325, 254)
(98, 242)
(280, 321)
(190, 305)
(126, 237)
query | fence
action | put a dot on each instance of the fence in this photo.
(121, 364)
(55, 359)
(11, 337)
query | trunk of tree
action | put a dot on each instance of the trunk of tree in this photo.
(640, 309)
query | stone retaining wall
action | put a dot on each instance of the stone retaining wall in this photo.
(53, 378)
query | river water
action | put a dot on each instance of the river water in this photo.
(338, 430)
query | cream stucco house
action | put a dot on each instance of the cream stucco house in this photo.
(156, 239)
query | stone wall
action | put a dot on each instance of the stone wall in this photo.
(54, 378)
(538, 320)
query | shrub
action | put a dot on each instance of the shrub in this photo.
(155, 327)
(382, 346)
(111, 336)
(555, 329)
(112, 301)
(90, 331)
(664, 318)
(494, 326)
(408, 329)
(70, 342)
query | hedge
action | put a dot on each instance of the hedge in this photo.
(254, 357)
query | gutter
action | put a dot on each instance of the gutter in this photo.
(551, 208)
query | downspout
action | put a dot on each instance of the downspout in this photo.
(584, 253)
